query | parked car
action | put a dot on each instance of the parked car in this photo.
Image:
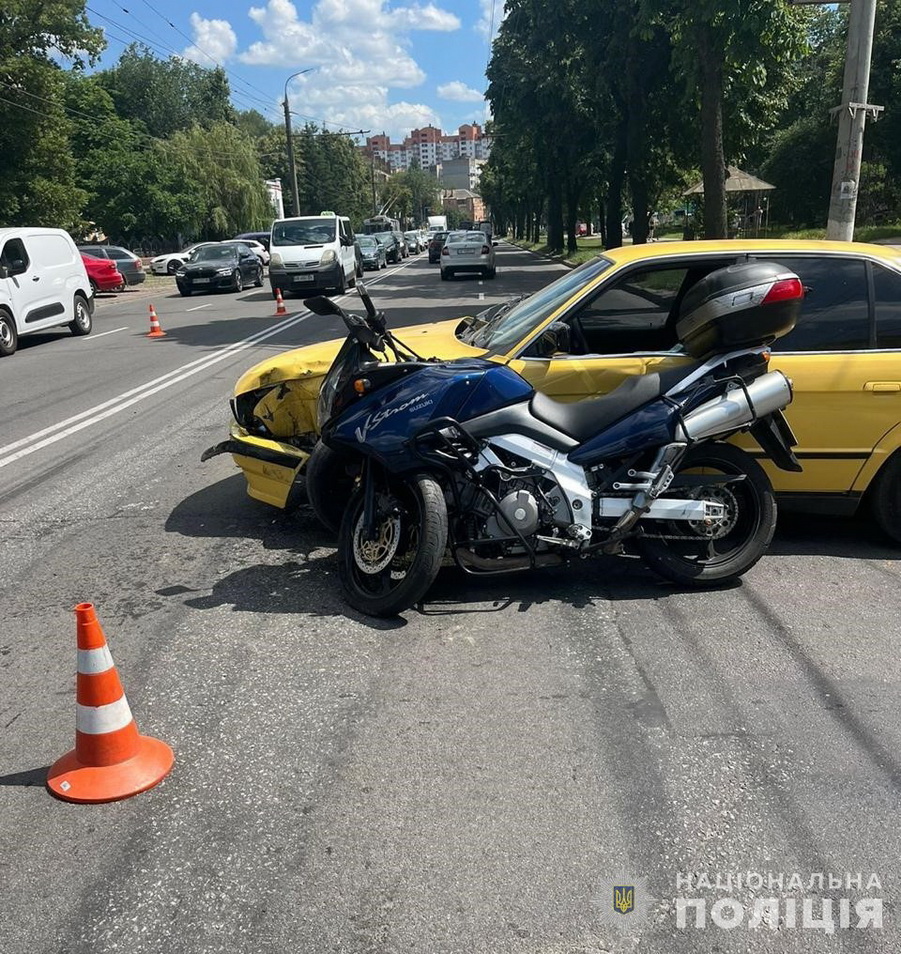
(372, 251)
(402, 244)
(261, 237)
(223, 265)
(43, 283)
(414, 245)
(169, 264)
(130, 265)
(613, 318)
(257, 248)
(102, 274)
(436, 243)
(467, 252)
(392, 247)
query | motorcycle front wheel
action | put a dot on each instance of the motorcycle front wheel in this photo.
(392, 570)
(697, 554)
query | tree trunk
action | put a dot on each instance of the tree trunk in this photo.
(614, 230)
(713, 163)
(555, 217)
(601, 223)
(572, 214)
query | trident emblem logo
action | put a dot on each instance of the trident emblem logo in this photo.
(623, 898)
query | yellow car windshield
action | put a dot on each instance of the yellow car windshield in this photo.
(503, 332)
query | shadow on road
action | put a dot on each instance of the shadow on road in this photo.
(306, 581)
(30, 778)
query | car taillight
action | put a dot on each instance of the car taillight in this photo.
(139, 265)
(785, 290)
(445, 251)
(486, 250)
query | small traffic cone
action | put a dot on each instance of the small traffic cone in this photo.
(110, 759)
(155, 330)
(280, 303)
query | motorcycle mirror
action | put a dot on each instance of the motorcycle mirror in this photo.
(364, 297)
(320, 305)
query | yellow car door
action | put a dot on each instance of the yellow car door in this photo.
(624, 327)
(844, 397)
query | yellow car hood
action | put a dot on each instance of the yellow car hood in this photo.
(289, 410)
(433, 340)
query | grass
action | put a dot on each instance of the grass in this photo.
(590, 246)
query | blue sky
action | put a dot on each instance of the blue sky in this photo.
(381, 65)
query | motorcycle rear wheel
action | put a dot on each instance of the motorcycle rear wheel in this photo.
(721, 554)
(386, 575)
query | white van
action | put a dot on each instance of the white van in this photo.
(312, 252)
(43, 283)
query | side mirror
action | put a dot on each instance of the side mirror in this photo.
(494, 243)
(320, 305)
(4, 271)
(555, 339)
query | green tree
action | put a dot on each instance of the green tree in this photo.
(219, 165)
(134, 194)
(734, 57)
(38, 184)
(167, 95)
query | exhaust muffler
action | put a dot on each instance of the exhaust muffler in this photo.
(737, 408)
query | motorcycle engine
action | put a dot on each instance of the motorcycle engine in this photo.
(520, 512)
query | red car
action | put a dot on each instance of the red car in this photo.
(103, 274)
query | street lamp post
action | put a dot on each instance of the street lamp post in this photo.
(291, 165)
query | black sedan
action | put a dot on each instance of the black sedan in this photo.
(390, 244)
(373, 252)
(223, 265)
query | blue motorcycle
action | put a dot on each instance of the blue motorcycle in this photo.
(464, 458)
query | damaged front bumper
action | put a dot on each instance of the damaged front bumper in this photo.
(270, 466)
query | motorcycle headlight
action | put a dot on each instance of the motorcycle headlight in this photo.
(328, 256)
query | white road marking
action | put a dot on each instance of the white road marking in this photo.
(102, 333)
(198, 307)
(78, 422)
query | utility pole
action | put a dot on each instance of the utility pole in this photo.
(292, 167)
(852, 115)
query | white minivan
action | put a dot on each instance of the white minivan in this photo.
(43, 283)
(312, 252)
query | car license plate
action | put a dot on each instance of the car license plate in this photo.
(303, 278)
(202, 281)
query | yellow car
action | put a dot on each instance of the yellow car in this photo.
(614, 317)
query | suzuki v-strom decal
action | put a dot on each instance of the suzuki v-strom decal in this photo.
(373, 420)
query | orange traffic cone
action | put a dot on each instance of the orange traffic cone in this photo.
(110, 759)
(280, 303)
(155, 330)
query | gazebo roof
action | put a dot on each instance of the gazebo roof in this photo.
(738, 181)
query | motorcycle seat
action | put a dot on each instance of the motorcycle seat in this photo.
(581, 420)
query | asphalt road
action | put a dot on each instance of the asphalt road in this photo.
(473, 777)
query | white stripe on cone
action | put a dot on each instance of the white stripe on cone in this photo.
(95, 720)
(91, 661)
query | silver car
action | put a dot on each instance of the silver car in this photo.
(467, 252)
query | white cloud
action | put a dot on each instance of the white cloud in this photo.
(460, 92)
(359, 50)
(493, 12)
(214, 41)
